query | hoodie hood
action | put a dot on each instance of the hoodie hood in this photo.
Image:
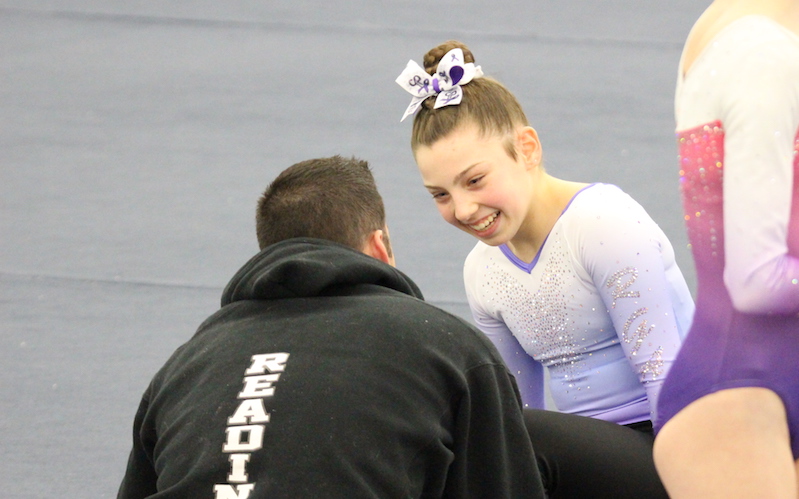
(305, 267)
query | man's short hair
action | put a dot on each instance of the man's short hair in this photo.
(327, 198)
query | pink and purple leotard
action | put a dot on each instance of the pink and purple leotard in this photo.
(737, 115)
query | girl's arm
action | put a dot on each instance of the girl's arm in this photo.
(528, 372)
(631, 263)
(760, 115)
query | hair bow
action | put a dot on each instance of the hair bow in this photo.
(451, 73)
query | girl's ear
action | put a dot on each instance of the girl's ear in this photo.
(529, 146)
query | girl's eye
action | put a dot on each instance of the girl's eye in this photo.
(475, 180)
(438, 195)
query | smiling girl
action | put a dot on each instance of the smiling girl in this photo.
(568, 276)
(572, 277)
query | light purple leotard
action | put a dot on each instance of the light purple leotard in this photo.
(603, 307)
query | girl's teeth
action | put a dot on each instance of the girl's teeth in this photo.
(487, 223)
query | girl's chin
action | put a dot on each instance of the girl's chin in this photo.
(492, 241)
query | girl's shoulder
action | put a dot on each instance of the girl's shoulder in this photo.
(755, 28)
(601, 209)
(597, 199)
(751, 36)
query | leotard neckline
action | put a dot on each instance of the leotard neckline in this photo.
(528, 267)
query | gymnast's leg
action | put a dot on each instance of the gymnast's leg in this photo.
(797, 477)
(729, 444)
(582, 457)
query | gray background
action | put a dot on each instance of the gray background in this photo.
(136, 136)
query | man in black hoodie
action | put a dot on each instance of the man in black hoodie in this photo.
(325, 375)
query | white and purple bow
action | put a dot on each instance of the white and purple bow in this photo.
(451, 73)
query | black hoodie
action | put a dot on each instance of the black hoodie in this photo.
(325, 375)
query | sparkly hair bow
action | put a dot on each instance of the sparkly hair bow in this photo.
(451, 73)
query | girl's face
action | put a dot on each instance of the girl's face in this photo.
(477, 186)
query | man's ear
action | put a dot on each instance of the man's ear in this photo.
(529, 146)
(376, 247)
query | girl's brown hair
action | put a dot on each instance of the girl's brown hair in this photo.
(486, 103)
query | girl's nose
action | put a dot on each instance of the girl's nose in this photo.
(464, 208)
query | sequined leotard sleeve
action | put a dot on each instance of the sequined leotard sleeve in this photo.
(631, 264)
(528, 372)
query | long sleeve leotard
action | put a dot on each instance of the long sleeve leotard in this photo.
(603, 307)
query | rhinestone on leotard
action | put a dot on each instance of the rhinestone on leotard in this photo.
(538, 320)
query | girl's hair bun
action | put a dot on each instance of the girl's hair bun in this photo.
(433, 57)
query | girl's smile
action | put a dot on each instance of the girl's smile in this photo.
(486, 223)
